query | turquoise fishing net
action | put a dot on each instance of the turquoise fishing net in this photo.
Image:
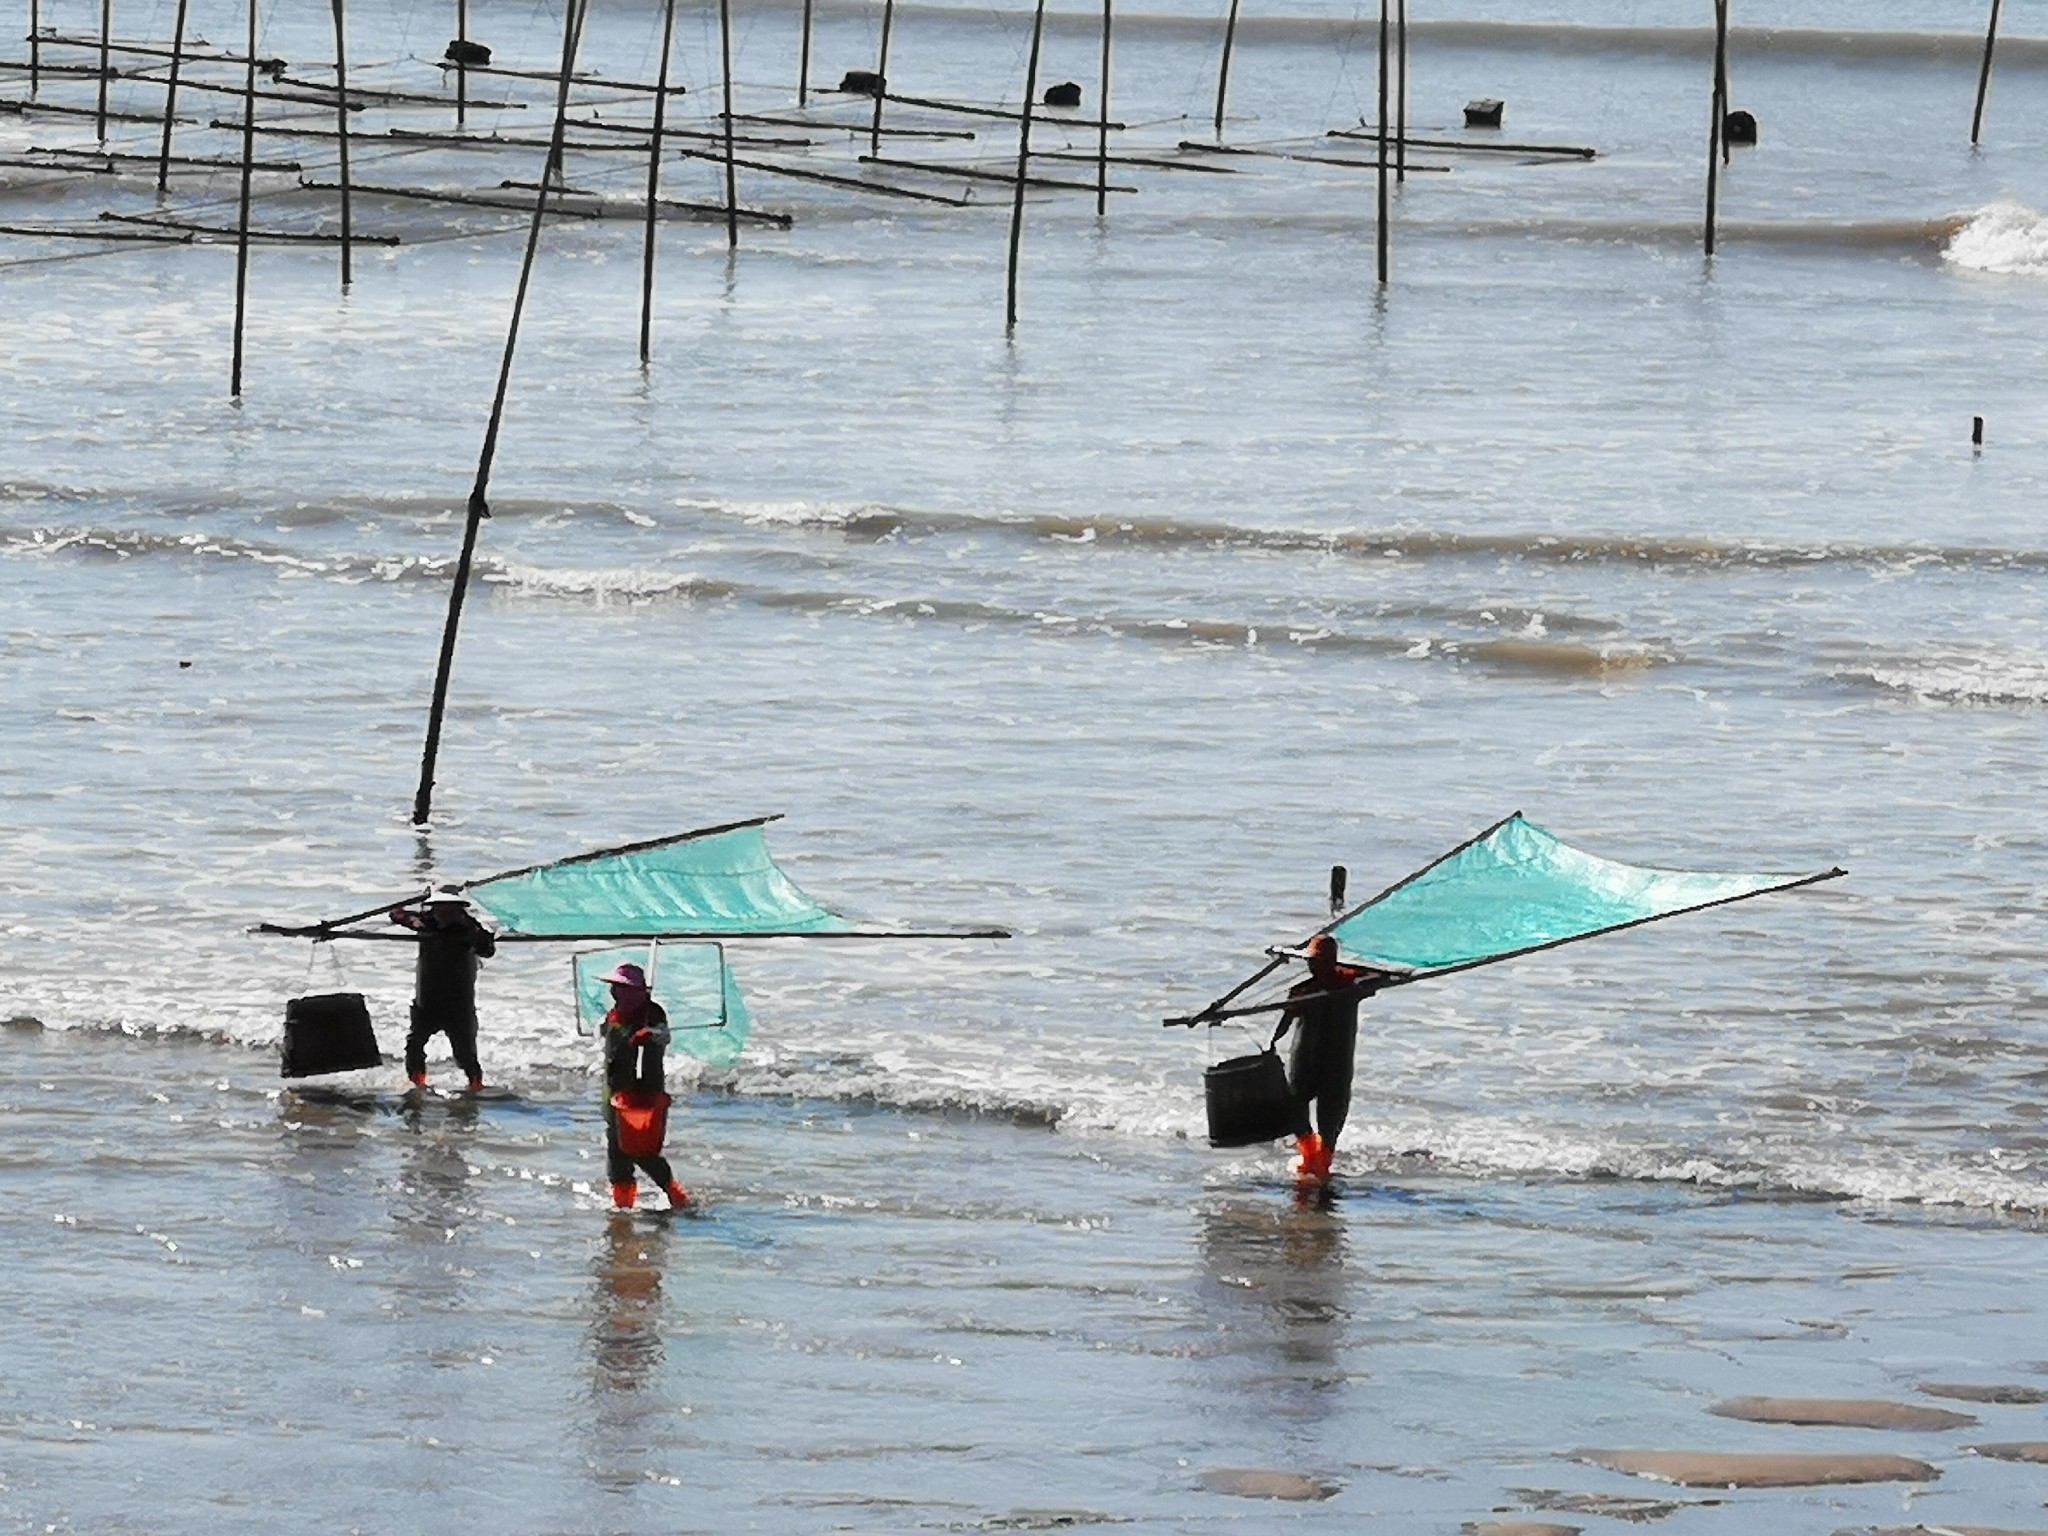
(724, 884)
(1520, 888)
(706, 1013)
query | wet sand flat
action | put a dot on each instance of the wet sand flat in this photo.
(1711, 1469)
(1842, 1412)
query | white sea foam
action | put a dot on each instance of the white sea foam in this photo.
(1963, 679)
(2002, 237)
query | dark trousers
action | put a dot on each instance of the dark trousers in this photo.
(1320, 1073)
(461, 1033)
(619, 1167)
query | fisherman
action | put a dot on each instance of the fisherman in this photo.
(452, 943)
(635, 1036)
(1319, 1071)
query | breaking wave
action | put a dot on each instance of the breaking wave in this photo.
(2001, 237)
(1960, 679)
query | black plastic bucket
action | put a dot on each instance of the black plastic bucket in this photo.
(1249, 1101)
(331, 1033)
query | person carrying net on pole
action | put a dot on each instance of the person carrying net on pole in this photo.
(636, 1035)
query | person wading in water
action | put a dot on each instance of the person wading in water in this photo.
(452, 943)
(636, 1104)
(1326, 1035)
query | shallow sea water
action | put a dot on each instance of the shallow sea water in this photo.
(1118, 632)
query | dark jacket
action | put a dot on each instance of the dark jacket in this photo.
(444, 980)
(632, 1066)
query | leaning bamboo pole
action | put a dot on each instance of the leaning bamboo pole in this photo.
(479, 503)
(1023, 164)
(163, 166)
(341, 125)
(668, 33)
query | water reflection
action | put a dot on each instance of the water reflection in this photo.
(625, 1348)
(1275, 1278)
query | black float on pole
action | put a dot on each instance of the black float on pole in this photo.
(163, 164)
(1976, 431)
(341, 125)
(668, 32)
(1401, 91)
(732, 196)
(479, 505)
(881, 76)
(1023, 163)
(1102, 123)
(803, 59)
(106, 39)
(1984, 74)
(1381, 231)
(242, 217)
(1223, 68)
(1719, 127)
(461, 63)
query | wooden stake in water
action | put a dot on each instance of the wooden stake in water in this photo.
(881, 76)
(341, 125)
(1223, 68)
(668, 32)
(461, 63)
(803, 60)
(242, 217)
(1401, 91)
(106, 68)
(732, 203)
(1719, 127)
(1023, 162)
(35, 45)
(163, 164)
(1102, 122)
(1984, 74)
(479, 504)
(1381, 231)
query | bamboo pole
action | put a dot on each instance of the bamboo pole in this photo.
(242, 216)
(1380, 231)
(1717, 129)
(1102, 122)
(803, 60)
(668, 33)
(1984, 74)
(461, 63)
(732, 195)
(106, 65)
(479, 504)
(163, 164)
(341, 124)
(1023, 164)
(1223, 66)
(881, 76)
(35, 46)
(1401, 91)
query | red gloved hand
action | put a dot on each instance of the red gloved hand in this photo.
(642, 1036)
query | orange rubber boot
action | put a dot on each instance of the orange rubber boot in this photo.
(419, 1079)
(678, 1197)
(625, 1196)
(1311, 1161)
(1326, 1154)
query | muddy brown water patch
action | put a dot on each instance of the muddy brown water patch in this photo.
(1257, 1483)
(2014, 1450)
(1716, 1469)
(1841, 1412)
(1518, 1528)
(1985, 1392)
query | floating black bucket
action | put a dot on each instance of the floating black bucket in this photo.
(862, 82)
(330, 1033)
(462, 51)
(1066, 94)
(1739, 127)
(1249, 1101)
(1485, 112)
